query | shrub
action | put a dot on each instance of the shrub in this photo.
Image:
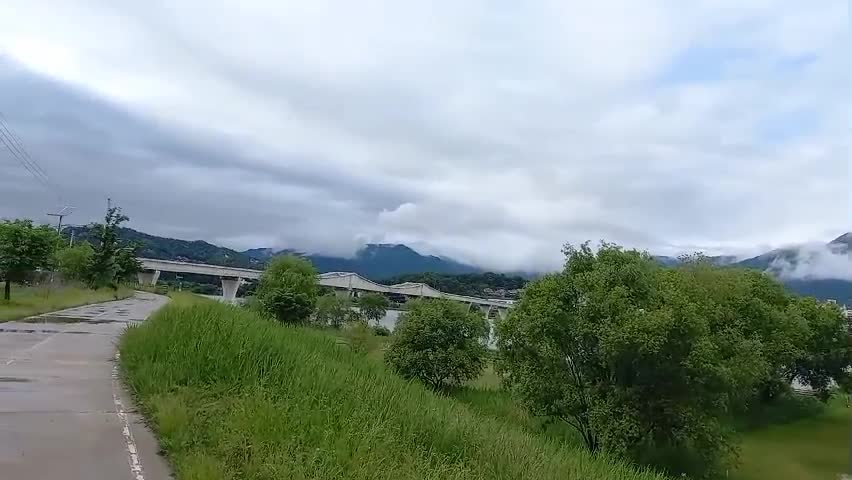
(332, 310)
(287, 289)
(373, 306)
(381, 331)
(438, 342)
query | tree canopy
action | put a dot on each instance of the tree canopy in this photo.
(112, 260)
(639, 358)
(24, 248)
(73, 261)
(287, 289)
(332, 310)
(438, 342)
(373, 306)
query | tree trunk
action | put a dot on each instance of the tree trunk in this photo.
(7, 291)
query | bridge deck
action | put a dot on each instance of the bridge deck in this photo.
(343, 280)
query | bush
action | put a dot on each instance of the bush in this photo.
(72, 262)
(373, 306)
(332, 310)
(381, 331)
(438, 342)
(288, 289)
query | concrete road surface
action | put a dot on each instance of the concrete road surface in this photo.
(63, 412)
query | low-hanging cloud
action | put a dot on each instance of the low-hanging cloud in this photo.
(814, 261)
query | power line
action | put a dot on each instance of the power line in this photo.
(16, 142)
(15, 146)
(20, 144)
(22, 161)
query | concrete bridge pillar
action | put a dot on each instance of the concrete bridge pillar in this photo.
(148, 277)
(229, 288)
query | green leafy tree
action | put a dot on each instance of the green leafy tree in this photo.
(622, 350)
(826, 355)
(373, 306)
(24, 248)
(438, 342)
(287, 289)
(73, 262)
(111, 261)
(332, 310)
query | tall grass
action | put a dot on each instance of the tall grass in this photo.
(232, 396)
(29, 301)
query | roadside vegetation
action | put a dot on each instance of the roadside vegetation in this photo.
(234, 395)
(45, 275)
(615, 367)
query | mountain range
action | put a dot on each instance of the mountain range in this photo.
(798, 267)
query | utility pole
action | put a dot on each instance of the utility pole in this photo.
(64, 212)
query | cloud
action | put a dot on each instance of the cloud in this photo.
(489, 133)
(814, 261)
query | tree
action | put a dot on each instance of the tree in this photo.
(826, 355)
(332, 310)
(438, 342)
(111, 260)
(373, 306)
(24, 248)
(288, 289)
(73, 262)
(622, 350)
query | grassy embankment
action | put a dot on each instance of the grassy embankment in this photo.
(235, 396)
(813, 447)
(29, 301)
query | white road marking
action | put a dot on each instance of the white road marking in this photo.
(9, 362)
(132, 451)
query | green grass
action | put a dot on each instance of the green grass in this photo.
(234, 396)
(811, 448)
(29, 301)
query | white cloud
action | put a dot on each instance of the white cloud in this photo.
(814, 261)
(489, 133)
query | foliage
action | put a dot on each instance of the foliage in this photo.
(825, 355)
(287, 289)
(471, 284)
(332, 310)
(112, 259)
(24, 248)
(649, 362)
(381, 331)
(232, 395)
(617, 347)
(438, 342)
(373, 306)
(73, 262)
(799, 337)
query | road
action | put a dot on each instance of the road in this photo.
(63, 413)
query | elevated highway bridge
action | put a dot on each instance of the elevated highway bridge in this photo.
(349, 282)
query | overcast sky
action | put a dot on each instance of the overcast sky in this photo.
(487, 131)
